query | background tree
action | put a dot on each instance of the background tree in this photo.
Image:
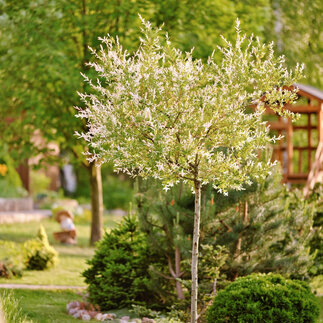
(161, 114)
(296, 29)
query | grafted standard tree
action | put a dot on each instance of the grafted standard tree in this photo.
(159, 113)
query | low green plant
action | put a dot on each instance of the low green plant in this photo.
(118, 274)
(8, 269)
(11, 250)
(10, 310)
(143, 311)
(38, 253)
(173, 316)
(83, 218)
(264, 298)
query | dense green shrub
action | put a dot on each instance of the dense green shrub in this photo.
(264, 298)
(118, 274)
(38, 254)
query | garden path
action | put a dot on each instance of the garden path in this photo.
(46, 287)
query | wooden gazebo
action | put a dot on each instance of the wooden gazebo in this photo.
(301, 151)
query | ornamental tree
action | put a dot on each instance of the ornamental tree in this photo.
(159, 113)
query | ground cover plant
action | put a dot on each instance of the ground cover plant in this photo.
(161, 114)
(264, 298)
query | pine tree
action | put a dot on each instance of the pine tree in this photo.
(166, 218)
(265, 228)
(268, 230)
(316, 243)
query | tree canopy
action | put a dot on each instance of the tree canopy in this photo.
(160, 113)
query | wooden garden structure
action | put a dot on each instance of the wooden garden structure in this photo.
(301, 151)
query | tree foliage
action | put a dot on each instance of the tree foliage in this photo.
(161, 114)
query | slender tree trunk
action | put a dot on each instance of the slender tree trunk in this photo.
(179, 288)
(96, 203)
(195, 250)
(245, 213)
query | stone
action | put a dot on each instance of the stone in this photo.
(147, 320)
(86, 317)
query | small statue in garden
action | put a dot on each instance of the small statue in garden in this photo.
(68, 233)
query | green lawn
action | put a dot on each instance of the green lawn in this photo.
(72, 259)
(317, 285)
(320, 298)
(41, 306)
(49, 306)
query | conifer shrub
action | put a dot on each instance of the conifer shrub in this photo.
(118, 274)
(264, 298)
(38, 253)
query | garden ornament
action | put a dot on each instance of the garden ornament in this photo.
(68, 233)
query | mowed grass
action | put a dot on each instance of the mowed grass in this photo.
(72, 259)
(317, 285)
(320, 299)
(41, 306)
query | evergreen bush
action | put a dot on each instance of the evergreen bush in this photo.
(38, 254)
(264, 298)
(118, 274)
(316, 243)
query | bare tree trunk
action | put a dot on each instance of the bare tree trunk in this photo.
(96, 203)
(245, 213)
(195, 250)
(179, 289)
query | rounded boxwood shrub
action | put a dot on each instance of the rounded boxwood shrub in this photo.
(264, 298)
(118, 274)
